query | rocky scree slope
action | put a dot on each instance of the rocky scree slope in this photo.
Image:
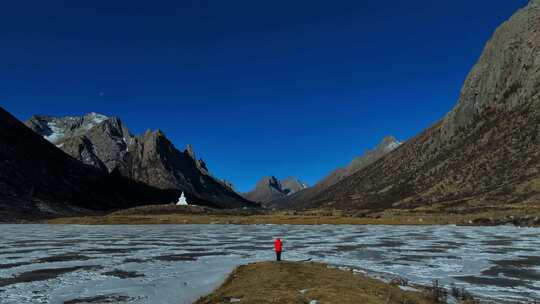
(107, 144)
(483, 155)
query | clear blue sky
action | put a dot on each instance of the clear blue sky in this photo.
(258, 88)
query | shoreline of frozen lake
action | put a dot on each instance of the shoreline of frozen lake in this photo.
(179, 263)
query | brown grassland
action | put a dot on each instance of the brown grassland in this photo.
(290, 282)
(522, 215)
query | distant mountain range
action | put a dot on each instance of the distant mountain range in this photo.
(387, 145)
(269, 189)
(484, 154)
(107, 144)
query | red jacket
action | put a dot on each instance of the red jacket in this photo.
(278, 246)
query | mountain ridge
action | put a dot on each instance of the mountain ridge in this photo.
(151, 158)
(482, 155)
(388, 144)
(37, 180)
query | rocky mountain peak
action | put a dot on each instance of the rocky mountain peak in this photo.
(302, 192)
(388, 144)
(55, 129)
(270, 188)
(96, 117)
(189, 151)
(291, 185)
(269, 181)
(38, 180)
(107, 144)
(200, 163)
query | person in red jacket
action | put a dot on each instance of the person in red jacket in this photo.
(278, 246)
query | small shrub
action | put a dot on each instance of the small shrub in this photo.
(462, 295)
(438, 295)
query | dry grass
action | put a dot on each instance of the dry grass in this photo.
(521, 215)
(288, 282)
(259, 219)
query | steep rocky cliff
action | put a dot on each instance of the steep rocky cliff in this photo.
(506, 76)
(484, 154)
(107, 144)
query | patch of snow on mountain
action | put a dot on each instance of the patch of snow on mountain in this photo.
(57, 133)
(94, 120)
(394, 145)
(125, 142)
(97, 118)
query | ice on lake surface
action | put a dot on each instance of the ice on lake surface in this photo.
(179, 263)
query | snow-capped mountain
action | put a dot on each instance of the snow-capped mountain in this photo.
(56, 129)
(107, 144)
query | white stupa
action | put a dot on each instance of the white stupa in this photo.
(182, 200)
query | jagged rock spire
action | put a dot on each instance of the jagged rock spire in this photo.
(190, 151)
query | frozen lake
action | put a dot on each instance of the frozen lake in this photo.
(178, 263)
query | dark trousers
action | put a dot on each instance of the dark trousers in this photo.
(278, 256)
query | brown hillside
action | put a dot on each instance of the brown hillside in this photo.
(483, 154)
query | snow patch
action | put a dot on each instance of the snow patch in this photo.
(57, 133)
(97, 118)
(125, 142)
(60, 127)
(393, 145)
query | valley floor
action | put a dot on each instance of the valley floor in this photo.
(167, 214)
(294, 282)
